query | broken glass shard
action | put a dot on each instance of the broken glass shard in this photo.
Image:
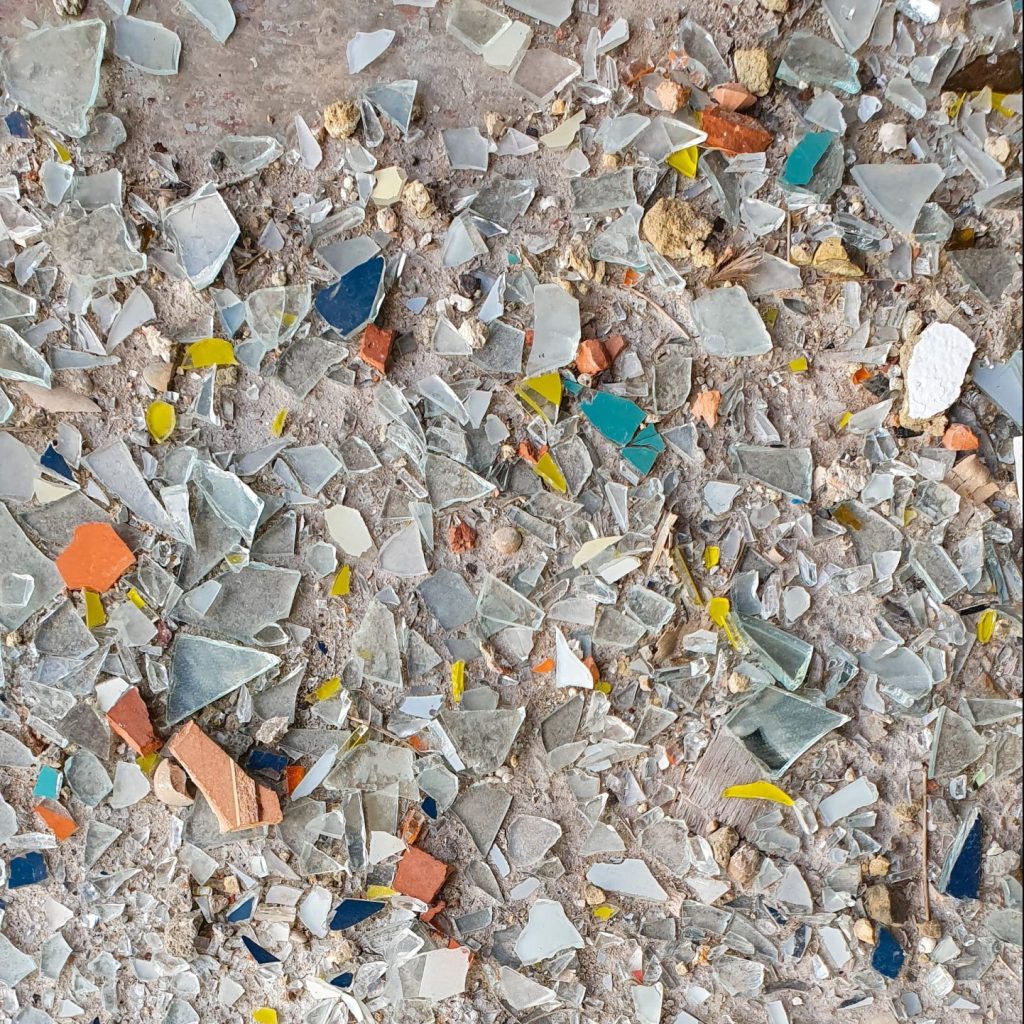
(548, 932)
(903, 675)
(729, 325)
(95, 248)
(542, 73)
(499, 605)
(937, 570)
(482, 808)
(851, 21)
(365, 47)
(466, 148)
(789, 470)
(147, 45)
(483, 739)
(451, 483)
(961, 867)
(859, 794)
(475, 24)
(54, 73)
(898, 192)
(353, 300)
(238, 157)
(810, 60)
(87, 777)
(18, 556)
(462, 241)
(216, 16)
(204, 670)
(778, 728)
(376, 644)
(203, 232)
(402, 553)
(630, 878)
(395, 100)
(20, 361)
(955, 745)
(784, 656)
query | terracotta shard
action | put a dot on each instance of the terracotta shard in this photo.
(95, 559)
(705, 407)
(734, 133)
(959, 438)
(60, 824)
(461, 537)
(129, 718)
(591, 357)
(375, 347)
(419, 875)
(733, 96)
(237, 800)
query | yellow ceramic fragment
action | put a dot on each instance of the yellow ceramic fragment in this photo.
(379, 892)
(547, 469)
(136, 598)
(160, 420)
(986, 625)
(799, 365)
(95, 616)
(605, 912)
(148, 762)
(328, 688)
(543, 394)
(760, 790)
(277, 426)
(684, 161)
(458, 681)
(712, 556)
(211, 352)
(342, 582)
(718, 610)
(265, 1015)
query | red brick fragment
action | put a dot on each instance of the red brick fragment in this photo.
(591, 357)
(733, 96)
(592, 665)
(237, 800)
(959, 438)
(613, 345)
(129, 718)
(375, 347)
(95, 559)
(419, 875)
(461, 537)
(733, 132)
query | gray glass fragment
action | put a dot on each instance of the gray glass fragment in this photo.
(898, 192)
(147, 45)
(203, 232)
(19, 556)
(238, 157)
(789, 470)
(811, 60)
(95, 248)
(785, 656)
(482, 808)
(483, 739)
(729, 325)
(216, 16)
(612, 191)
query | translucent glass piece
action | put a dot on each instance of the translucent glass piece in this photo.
(395, 100)
(231, 499)
(937, 570)
(551, 12)
(630, 878)
(106, 134)
(482, 808)
(503, 606)
(620, 241)
(365, 47)
(777, 727)
(729, 325)
(204, 670)
(902, 673)
(462, 241)
(955, 745)
(851, 21)
(451, 483)
(483, 739)
(95, 248)
(402, 553)
(616, 133)
(376, 643)
(466, 148)
(475, 24)
(19, 557)
(844, 802)
(238, 157)
(548, 931)
(898, 192)
(786, 657)
(14, 304)
(811, 60)
(216, 16)
(789, 470)
(54, 73)
(203, 232)
(147, 45)
(556, 318)
(20, 361)
(542, 73)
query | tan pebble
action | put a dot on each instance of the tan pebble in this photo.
(678, 232)
(341, 119)
(878, 866)
(592, 896)
(864, 930)
(507, 540)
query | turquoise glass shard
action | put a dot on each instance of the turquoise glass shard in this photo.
(642, 452)
(204, 670)
(353, 300)
(54, 73)
(777, 728)
(804, 159)
(786, 657)
(789, 470)
(811, 60)
(617, 418)
(827, 175)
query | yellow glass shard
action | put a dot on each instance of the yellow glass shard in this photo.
(265, 1015)
(769, 316)
(685, 576)
(458, 681)
(547, 469)
(684, 161)
(328, 688)
(760, 790)
(603, 686)
(357, 738)
(954, 107)
(148, 762)
(999, 106)
(799, 365)
(211, 352)
(844, 419)
(342, 582)
(605, 912)
(712, 556)
(543, 394)
(719, 611)
(136, 598)
(160, 420)
(95, 616)
(62, 151)
(380, 892)
(986, 625)
(277, 426)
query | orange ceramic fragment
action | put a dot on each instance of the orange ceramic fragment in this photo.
(734, 133)
(705, 407)
(419, 875)
(95, 559)
(461, 537)
(591, 357)
(630, 277)
(129, 718)
(61, 825)
(861, 375)
(547, 665)
(592, 665)
(613, 345)
(293, 775)
(375, 347)
(959, 438)
(671, 95)
(733, 96)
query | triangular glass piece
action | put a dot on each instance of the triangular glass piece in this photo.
(451, 483)
(420, 657)
(501, 606)
(204, 670)
(483, 739)
(955, 745)
(402, 553)
(569, 668)
(898, 192)
(482, 809)
(785, 656)
(98, 839)
(395, 101)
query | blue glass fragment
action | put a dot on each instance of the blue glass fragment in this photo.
(18, 126)
(258, 953)
(351, 912)
(888, 956)
(266, 762)
(243, 911)
(343, 980)
(352, 301)
(961, 873)
(429, 807)
(27, 870)
(644, 449)
(804, 159)
(416, 304)
(52, 460)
